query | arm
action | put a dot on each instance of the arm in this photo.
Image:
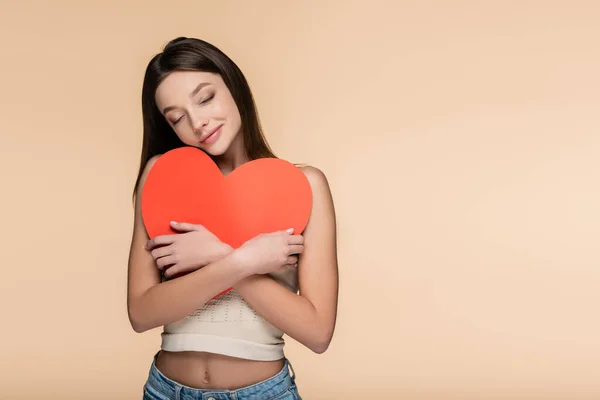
(310, 316)
(151, 303)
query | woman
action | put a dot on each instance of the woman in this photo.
(229, 347)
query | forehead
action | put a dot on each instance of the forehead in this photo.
(178, 85)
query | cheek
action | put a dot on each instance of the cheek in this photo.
(219, 110)
(228, 109)
(233, 115)
(186, 135)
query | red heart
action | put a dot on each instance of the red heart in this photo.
(260, 196)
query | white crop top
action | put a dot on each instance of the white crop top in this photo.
(228, 325)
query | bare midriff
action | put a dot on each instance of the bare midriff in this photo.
(202, 370)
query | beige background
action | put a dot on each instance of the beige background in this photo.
(462, 143)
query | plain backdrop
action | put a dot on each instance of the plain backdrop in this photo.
(461, 140)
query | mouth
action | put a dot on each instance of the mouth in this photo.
(210, 135)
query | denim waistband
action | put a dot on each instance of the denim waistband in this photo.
(264, 389)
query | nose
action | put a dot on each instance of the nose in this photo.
(198, 123)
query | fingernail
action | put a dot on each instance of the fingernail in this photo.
(173, 222)
(290, 230)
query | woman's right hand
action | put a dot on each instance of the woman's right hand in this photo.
(270, 252)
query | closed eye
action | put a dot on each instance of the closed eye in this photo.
(202, 102)
(207, 100)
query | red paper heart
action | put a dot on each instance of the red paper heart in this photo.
(260, 196)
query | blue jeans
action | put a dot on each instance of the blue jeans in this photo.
(281, 386)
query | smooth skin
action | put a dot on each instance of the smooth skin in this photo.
(199, 102)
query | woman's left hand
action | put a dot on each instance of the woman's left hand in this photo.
(190, 249)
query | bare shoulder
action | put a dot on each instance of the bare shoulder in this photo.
(152, 160)
(323, 206)
(317, 178)
(146, 171)
(139, 229)
(311, 170)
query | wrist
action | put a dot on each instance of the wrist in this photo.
(238, 263)
(226, 250)
(221, 252)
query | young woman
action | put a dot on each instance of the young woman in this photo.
(229, 347)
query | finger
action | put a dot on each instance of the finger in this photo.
(290, 266)
(296, 249)
(292, 260)
(163, 262)
(160, 241)
(296, 239)
(184, 226)
(161, 252)
(173, 270)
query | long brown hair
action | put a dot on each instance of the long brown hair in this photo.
(191, 54)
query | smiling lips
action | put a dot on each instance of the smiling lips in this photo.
(212, 136)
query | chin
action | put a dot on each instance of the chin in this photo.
(216, 149)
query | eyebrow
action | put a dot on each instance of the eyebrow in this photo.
(194, 92)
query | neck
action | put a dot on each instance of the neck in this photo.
(233, 157)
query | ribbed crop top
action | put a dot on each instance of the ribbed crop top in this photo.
(228, 325)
